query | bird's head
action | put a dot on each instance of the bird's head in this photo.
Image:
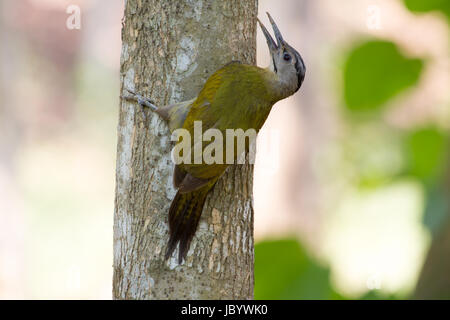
(287, 63)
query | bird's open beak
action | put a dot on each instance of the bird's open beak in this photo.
(273, 47)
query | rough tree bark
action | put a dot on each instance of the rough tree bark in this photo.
(169, 49)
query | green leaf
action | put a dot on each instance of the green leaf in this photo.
(429, 5)
(374, 72)
(426, 153)
(283, 270)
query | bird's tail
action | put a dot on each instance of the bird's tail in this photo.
(184, 215)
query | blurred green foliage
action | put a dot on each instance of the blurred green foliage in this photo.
(374, 72)
(283, 270)
(429, 5)
(371, 153)
(375, 154)
(426, 154)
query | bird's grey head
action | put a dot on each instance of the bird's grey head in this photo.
(287, 63)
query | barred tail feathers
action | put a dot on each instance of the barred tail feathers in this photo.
(184, 215)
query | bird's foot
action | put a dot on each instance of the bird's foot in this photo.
(142, 101)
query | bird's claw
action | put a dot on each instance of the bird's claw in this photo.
(142, 101)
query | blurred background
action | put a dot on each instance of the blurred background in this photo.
(352, 180)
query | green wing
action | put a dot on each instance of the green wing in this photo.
(233, 97)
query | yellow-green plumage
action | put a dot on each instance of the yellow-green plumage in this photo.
(235, 97)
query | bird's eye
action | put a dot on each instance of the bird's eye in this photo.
(287, 57)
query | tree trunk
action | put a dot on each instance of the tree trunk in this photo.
(434, 279)
(169, 49)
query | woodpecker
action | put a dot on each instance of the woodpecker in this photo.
(237, 96)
